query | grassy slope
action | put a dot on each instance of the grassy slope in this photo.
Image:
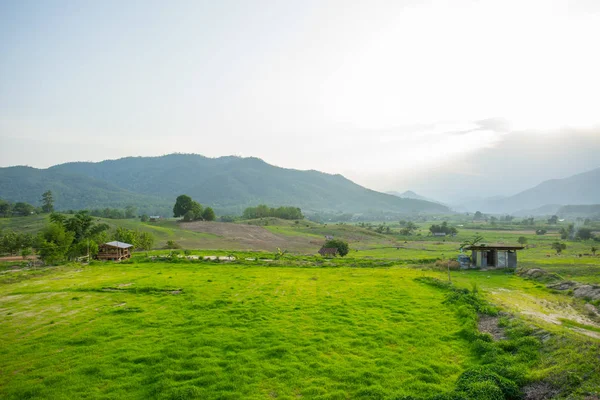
(306, 237)
(234, 332)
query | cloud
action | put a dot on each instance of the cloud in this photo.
(515, 161)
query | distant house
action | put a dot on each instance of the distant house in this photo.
(328, 251)
(114, 251)
(328, 237)
(494, 256)
(154, 218)
(439, 234)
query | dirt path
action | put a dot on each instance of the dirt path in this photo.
(546, 310)
(18, 258)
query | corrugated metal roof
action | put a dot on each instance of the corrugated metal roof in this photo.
(494, 247)
(121, 245)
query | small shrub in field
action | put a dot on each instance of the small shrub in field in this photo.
(483, 383)
(171, 244)
(444, 264)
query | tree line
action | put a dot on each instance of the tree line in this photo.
(264, 211)
(22, 209)
(191, 210)
(67, 238)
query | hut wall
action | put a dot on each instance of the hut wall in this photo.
(502, 259)
(481, 261)
(512, 259)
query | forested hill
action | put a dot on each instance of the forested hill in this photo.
(229, 184)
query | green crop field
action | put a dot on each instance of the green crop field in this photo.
(163, 330)
(371, 325)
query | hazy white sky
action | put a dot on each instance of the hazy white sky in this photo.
(396, 95)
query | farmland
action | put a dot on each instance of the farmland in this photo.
(370, 325)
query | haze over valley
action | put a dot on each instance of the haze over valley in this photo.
(300, 200)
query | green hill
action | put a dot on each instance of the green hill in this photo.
(229, 184)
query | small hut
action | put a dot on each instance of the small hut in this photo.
(494, 256)
(114, 251)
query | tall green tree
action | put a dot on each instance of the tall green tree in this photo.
(208, 214)
(197, 210)
(471, 242)
(54, 242)
(23, 209)
(558, 247)
(183, 204)
(80, 224)
(126, 236)
(47, 202)
(5, 208)
(189, 216)
(145, 241)
(130, 211)
(568, 232)
(584, 234)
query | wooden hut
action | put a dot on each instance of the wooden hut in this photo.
(114, 251)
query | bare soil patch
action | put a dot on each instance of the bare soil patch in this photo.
(18, 258)
(489, 324)
(252, 236)
(540, 391)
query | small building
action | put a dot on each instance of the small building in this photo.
(494, 256)
(439, 234)
(114, 251)
(328, 237)
(328, 251)
(154, 218)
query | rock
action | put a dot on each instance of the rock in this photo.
(591, 309)
(564, 285)
(539, 274)
(587, 292)
(534, 272)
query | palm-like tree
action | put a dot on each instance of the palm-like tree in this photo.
(471, 242)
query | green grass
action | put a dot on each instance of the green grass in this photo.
(119, 331)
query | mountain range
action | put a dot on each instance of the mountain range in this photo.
(409, 194)
(228, 184)
(545, 198)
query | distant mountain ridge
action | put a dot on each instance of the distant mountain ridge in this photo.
(579, 189)
(588, 210)
(229, 184)
(409, 194)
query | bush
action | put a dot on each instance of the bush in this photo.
(189, 216)
(483, 383)
(171, 244)
(444, 264)
(485, 390)
(340, 245)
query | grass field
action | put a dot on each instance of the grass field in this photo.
(362, 326)
(189, 331)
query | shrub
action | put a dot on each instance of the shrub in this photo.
(340, 245)
(171, 244)
(483, 383)
(485, 390)
(444, 264)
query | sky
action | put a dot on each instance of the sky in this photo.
(452, 99)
